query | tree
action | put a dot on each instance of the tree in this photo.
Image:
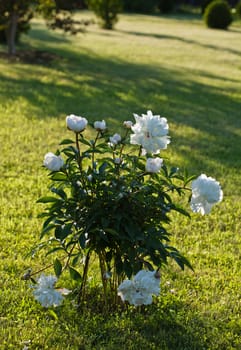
(13, 12)
(16, 14)
(107, 11)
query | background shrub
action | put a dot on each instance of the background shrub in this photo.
(106, 10)
(238, 9)
(140, 6)
(218, 15)
(204, 4)
(166, 6)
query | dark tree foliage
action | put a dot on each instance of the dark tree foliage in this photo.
(140, 6)
(107, 11)
(15, 16)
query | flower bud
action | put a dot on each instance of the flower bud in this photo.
(127, 124)
(75, 123)
(100, 125)
(115, 139)
(53, 162)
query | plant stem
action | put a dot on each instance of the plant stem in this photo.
(83, 283)
(78, 148)
(103, 271)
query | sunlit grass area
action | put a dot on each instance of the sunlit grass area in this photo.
(179, 69)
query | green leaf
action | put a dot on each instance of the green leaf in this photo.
(53, 314)
(74, 274)
(66, 142)
(59, 177)
(46, 229)
(82, 240)
(56, 249)
(47, 199)
(59, 192)
(57, 267)
(62, 231)
(180, 259)
(85, 142)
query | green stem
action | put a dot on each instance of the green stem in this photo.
(83, 283)
(78, 148)
(103, 271)
(93, 153)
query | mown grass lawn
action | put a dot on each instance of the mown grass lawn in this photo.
(177, 68)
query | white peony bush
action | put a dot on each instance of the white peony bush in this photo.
(111, 198)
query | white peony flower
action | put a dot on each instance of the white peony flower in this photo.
(139, 291)
(150, 131)
(75, 123)
(147, 282)
(115, 139)
(53, 162)
(140, 298)
(45, 293)
(153, 165)
(126, 290)
(128, 124)
(206, 191)
(100, 125)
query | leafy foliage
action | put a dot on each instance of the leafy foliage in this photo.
(15, 16)
(166, 6)
(238, 9)
(107, 11)
(141, 6)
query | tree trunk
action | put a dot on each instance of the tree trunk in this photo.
(11, 32)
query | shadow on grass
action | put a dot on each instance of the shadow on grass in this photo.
(184, 40)
(161, 326)
(112, 89)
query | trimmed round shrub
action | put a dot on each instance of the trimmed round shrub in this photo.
(238, 9)
(204, 4)
(218, 15)
(166, 6)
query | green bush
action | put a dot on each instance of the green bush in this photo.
(140, 6)
(204, 4)
(106, 10)
(218, 15)
(238, 9)
(166, 6)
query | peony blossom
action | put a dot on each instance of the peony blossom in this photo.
(128, 124)
(206, 191)
(53, 162)
(139, 291)
(153, 165)
(148, 281)
(45, 293)
(150, 131)
(115, 139)
(100, 125)
(75, 123)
